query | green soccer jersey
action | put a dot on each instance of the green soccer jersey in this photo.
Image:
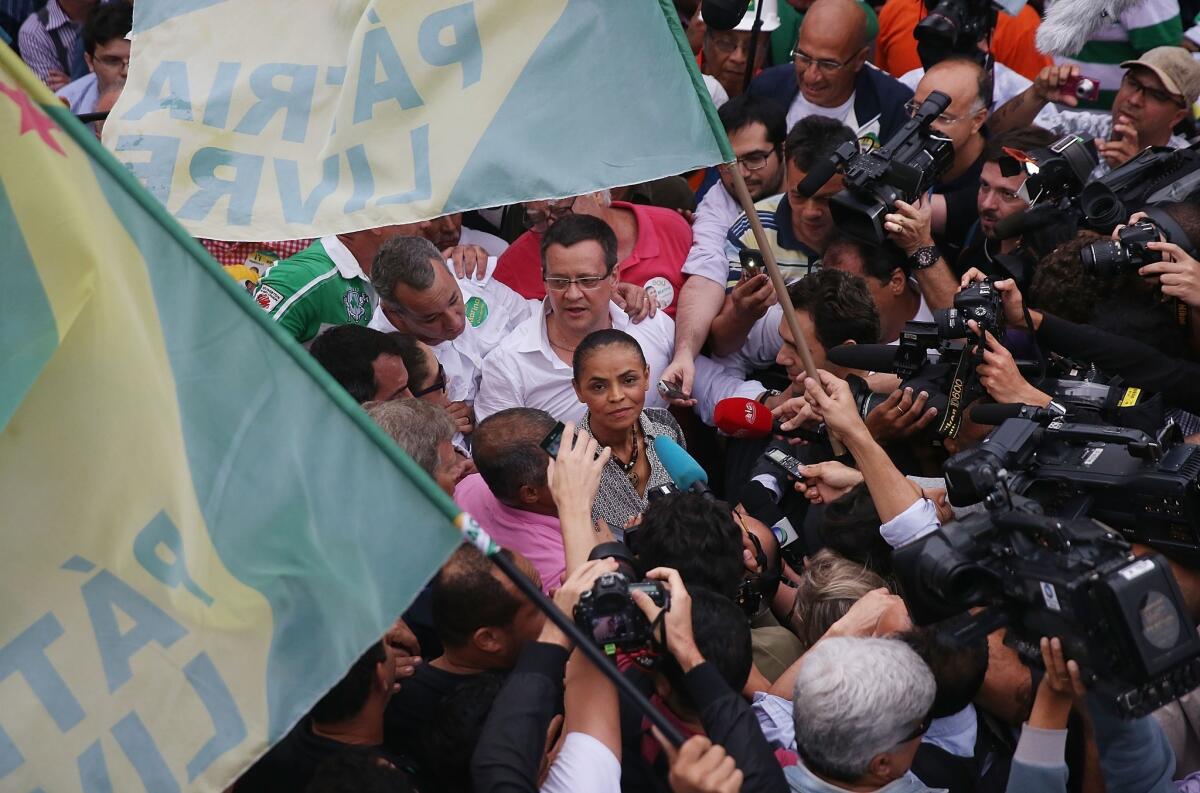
(320, 286)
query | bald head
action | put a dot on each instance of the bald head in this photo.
(506, 450)
(969, 89)
(962, 79)
(840, 21)
(833, 31)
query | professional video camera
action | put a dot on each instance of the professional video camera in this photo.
(900, 170)
(1128, 252)
(954, 27)
(1066, 573)
(1156, 175)
(1148, 488)
(950, 381)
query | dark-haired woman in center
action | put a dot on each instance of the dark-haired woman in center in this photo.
(611, 378)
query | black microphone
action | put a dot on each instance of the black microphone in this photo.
(999, 413)
(723, 14)
(871, 357)
(822, 171)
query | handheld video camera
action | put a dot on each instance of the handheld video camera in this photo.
(1156, 175)
(953, 27)
(900, 170)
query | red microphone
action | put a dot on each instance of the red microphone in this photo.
(739, 417)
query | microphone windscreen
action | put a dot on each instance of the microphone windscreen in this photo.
(822, 171)
(681, 466)
(995, 413)
(739, 417)
(871, 357)
(723, 14)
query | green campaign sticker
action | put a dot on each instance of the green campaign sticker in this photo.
(477, 312)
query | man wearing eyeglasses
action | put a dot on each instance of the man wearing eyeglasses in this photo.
(951, 210)
(652, 243)
(830, 76)
(106, 53)
(1157, 92)
(533, 367)
(756, 131)
(725, 53)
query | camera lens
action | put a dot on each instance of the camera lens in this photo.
(951, 323)
(1103, 259)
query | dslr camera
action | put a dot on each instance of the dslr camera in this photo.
(1127, 252)
(980, 302)
(1066, 573)
(607, 613)
(902, 169)
(950, 380)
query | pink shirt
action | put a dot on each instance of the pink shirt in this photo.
(663, 241)
(536, 537)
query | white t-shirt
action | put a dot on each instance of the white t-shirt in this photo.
(583, 765)
(802, 108)
(489, 242)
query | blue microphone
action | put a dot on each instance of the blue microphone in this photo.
(682, 467)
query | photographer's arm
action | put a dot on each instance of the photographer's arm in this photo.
(512, 744)
(891, 491)
(726, 715)
(574, 478)
(911, 228)
(1022, 109)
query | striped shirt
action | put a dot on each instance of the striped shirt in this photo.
(41, 45)
(795, 258)
(1149, 24)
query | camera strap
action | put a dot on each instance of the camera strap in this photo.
(952, 421)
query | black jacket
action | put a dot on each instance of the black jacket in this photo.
(1141, 365)
(510, 748)
(728, 721)
(876, 94)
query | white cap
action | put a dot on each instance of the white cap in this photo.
(770, 16)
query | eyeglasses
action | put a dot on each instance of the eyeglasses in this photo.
(755, 160)
(555, 210)
(912, 106)
(1157, 94)
(727, 45)
(112, 62)
(824, 65)
(439, 384)
(556, 283)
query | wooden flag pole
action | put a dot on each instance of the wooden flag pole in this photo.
(776, 275)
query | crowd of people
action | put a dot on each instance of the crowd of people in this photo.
(620, 319)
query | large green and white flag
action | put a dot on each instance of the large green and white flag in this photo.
(279, 119)
(201, 531)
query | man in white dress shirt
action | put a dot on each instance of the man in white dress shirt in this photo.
(533, 367)
(460, 318)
